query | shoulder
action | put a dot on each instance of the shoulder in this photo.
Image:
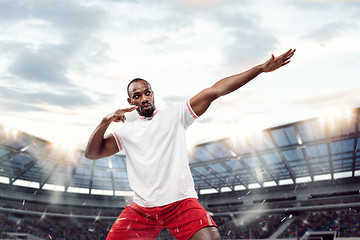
(176, 108)
(126, 126)
(184, 112)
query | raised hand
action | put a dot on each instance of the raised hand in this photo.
(276, 62)
(119, 115)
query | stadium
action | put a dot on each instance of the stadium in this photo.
(295, 181)
(277, 159)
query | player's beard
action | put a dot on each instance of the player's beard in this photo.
(147, 110)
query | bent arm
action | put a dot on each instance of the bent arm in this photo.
(200, 102)
(100, 146)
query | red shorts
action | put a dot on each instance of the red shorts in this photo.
(183, 219)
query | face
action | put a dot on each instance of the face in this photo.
(142, 96)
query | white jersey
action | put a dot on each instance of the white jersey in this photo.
(157, 161)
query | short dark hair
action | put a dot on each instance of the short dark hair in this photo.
(135, 80)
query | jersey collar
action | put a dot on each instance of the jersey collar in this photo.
(149, 118)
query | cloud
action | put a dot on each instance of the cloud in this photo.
(339, 99)
(18, 106)
(65, 14)
(165, 15)
(249, 41)
(310, 5)
(40, 67)
(41, 78)
(252, 98)
(43, 63)
(354, 9)
(249, 48)
(96, 51)
(331, 31)
(11, 47)
(22, 99)
(201, 5)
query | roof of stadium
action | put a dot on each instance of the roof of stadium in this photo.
(316, 149)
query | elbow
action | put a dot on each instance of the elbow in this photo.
(214, 93)
(91, 152)
(91, 155)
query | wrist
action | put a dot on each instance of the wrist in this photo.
(260, 68)
(105, 121)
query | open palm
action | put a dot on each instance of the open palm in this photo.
(275, 62)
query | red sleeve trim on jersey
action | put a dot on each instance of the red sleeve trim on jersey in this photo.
(117, 139)
(190, 110)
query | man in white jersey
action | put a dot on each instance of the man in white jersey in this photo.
(157, 162)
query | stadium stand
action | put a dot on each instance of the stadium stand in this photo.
(285, 183)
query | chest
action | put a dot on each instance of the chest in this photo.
(151, 132)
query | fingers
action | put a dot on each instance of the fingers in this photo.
(285, 63)
(120, 119)
(288, 54)
(271, 60)
(290, 51)
(130, 109)
(119, 115)
(276, 62)
(285, 57)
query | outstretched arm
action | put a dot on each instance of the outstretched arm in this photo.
(100, 146)
(200, 102)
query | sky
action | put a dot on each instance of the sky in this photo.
(64, 65)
